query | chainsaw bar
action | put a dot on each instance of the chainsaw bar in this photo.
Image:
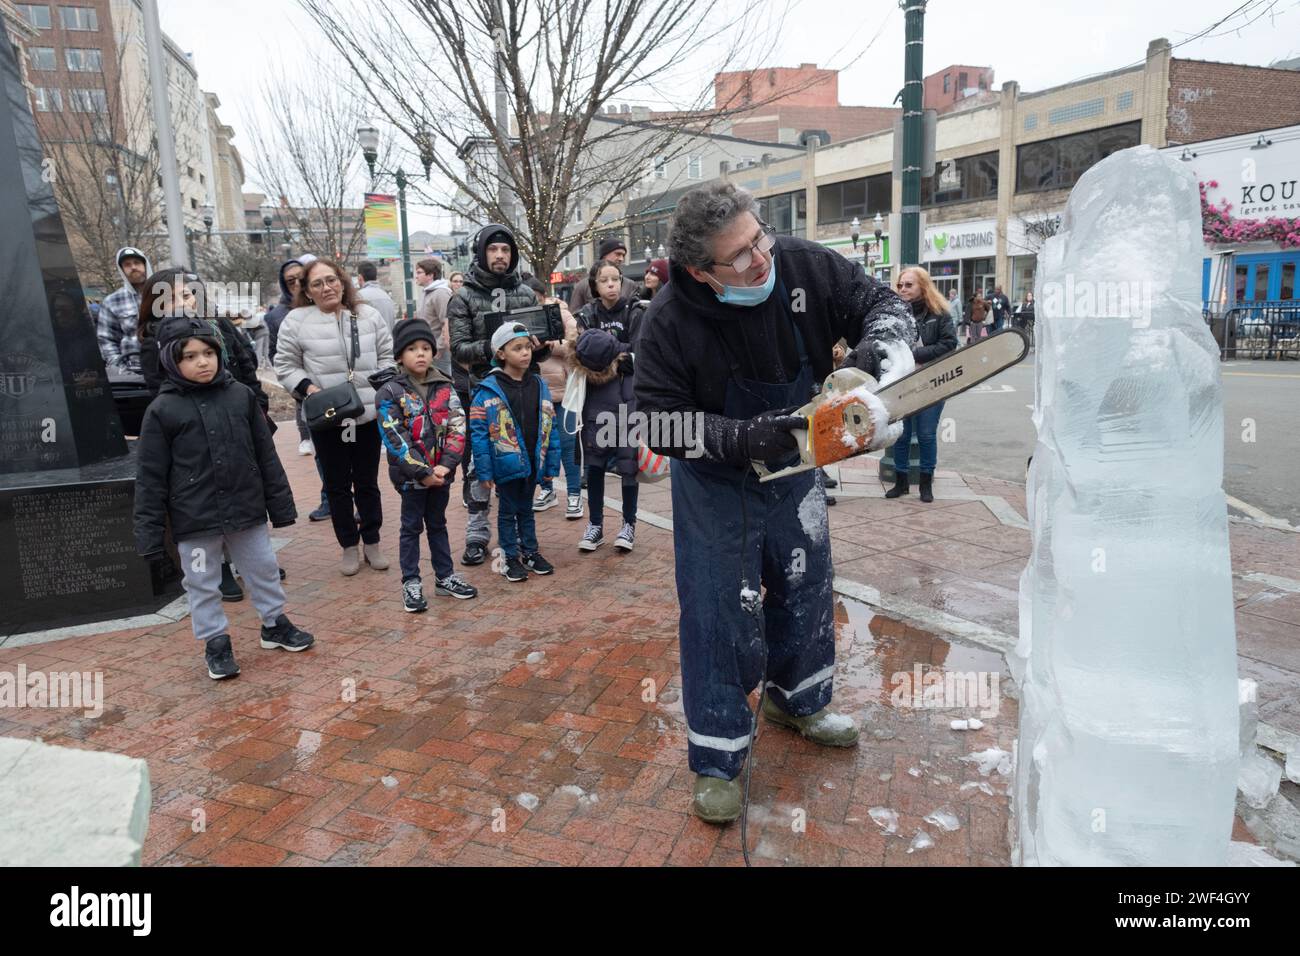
(935, 382)
(954, 373)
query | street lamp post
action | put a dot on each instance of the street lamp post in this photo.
(369, 139)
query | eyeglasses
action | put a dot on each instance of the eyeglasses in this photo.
(318, 284)
(764, 244)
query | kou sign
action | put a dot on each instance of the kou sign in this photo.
(1259, 182)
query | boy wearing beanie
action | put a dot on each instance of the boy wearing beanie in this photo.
(512, 428)
(208, 465)
(423, 427)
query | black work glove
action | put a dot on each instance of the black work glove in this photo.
(625, 365)
(866, 358)
(767, 437)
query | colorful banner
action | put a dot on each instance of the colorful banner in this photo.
(383, 238)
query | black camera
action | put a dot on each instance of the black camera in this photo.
(543, 321)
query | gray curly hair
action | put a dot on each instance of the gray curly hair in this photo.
(700, 215)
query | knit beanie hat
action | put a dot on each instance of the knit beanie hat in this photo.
(609, 245)
(660, 268)
(412, 330)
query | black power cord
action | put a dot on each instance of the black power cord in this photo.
(756, 608)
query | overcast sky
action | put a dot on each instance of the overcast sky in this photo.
(1035, 43)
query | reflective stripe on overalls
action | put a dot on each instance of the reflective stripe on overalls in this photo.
(787, 549)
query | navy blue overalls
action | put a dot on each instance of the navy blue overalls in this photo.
(787, 549)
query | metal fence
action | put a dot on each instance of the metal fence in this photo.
(1258, 330)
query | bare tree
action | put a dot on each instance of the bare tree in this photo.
(107, 192)
(504, 98)
(304, 154)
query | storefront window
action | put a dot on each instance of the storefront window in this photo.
(961, 180)
(863, 198)
(787, 214)
(1058, 163)
(1022, 278)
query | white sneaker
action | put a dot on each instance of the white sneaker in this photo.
(574, 510)
(305, 447)
(545, 499)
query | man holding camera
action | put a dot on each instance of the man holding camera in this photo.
(492, 288)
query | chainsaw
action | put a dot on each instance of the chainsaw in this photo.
(839, 422)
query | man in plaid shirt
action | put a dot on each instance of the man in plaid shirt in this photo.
(119, 313)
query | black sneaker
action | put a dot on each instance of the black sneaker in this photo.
(230, 589)
(830, 501)
(475, 554)
(320, 514)
(455, 586)
(516, 570)
(285, 636)
(537, 564)
(282, 574)
(220, 658)
(827, 481)
(413, 596)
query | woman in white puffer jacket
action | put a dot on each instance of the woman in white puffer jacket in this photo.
(312, 354)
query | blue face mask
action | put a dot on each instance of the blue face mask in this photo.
(749, 294)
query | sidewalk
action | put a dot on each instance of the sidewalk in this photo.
(542, 723)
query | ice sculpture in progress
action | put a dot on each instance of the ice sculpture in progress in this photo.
(1127, 653)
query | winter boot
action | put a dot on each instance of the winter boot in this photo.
(374, 557)
(716, 800)
(927, 491)
(351, 561)
(900, 485)
(823, 727)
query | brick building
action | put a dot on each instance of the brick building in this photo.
(792, 100)
(1209, 100)
(945, 88)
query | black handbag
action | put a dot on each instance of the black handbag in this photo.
(331, 407)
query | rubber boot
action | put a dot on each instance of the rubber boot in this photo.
(716, 800)
(824, 727)
(900, 485)
(927, 491)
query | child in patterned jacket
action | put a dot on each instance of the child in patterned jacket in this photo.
(423, 427)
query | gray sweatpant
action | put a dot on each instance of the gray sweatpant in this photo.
(252, 554)
(477, 528)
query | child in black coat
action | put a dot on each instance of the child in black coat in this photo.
(207, 465)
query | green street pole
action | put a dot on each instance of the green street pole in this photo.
(407, 277)
(913, 101)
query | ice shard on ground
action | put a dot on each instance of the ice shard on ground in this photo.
(1127, 655)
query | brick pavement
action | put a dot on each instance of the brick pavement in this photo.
(430, 739)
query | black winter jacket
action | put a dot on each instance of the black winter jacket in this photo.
(482, 292)
(207, 462)
(937, 334)
(623, 322)
(688, 338)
